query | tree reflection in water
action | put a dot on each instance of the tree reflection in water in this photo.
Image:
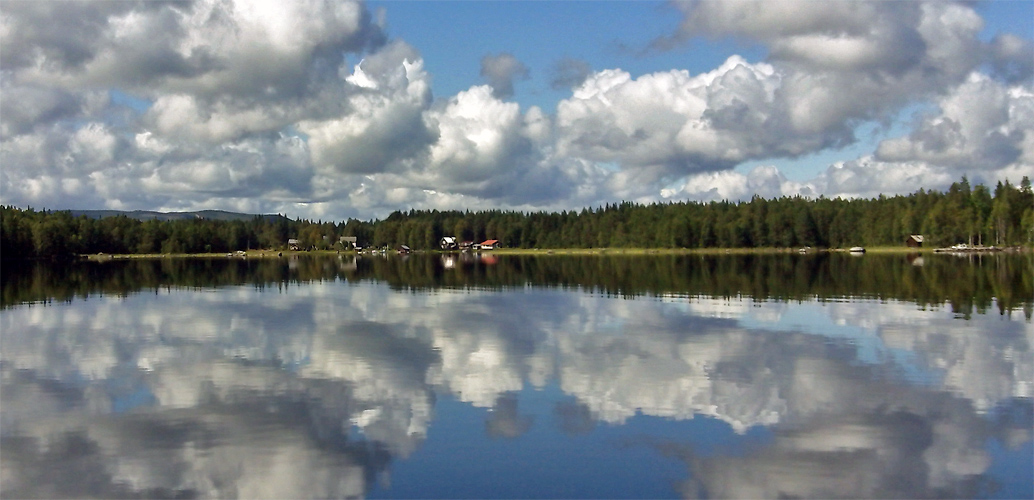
(972, 283)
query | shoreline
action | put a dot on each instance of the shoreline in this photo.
(274, 254)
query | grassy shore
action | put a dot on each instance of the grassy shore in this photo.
(700, 251)
(266, 254)
(718, 251)
(637, 251)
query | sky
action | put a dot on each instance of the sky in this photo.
(331, 109)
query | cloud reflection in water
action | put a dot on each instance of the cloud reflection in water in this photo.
(315, 390)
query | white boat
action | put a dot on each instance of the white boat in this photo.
(857, 250)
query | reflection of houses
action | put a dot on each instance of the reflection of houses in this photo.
(348, 265)
(293, 244)
(488, 244)
(449, 243)
(914, 241)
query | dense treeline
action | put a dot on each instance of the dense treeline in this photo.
(41, 234)
(977, 283)
(963, 214)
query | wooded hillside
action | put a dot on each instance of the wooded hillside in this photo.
(963, 214)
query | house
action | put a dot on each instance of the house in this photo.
(348, 242)
(403, 249)
(488, 244)
(293, 244)
(914, 241)
(449, 243)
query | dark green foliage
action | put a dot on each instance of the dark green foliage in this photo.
(964, 214)
(975, 283)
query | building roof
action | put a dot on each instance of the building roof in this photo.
(489, 242)
(917, 237)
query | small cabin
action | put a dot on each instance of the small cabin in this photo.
(404, 249)
(293, 244)
(449, 243)
(488, 244)
(347, 242)
(914, 241)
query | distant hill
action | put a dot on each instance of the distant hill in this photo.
(146, 215)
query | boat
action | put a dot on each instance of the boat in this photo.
(857, 250)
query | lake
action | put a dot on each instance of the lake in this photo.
(458, 376)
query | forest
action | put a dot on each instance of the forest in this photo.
(963, 214)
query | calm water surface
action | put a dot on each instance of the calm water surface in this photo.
(549, 377)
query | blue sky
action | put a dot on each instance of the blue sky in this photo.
(337, 109)
(539, 32)
(616, 36)
(605, 34)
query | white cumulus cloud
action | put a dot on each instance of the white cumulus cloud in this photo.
(310, 108)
